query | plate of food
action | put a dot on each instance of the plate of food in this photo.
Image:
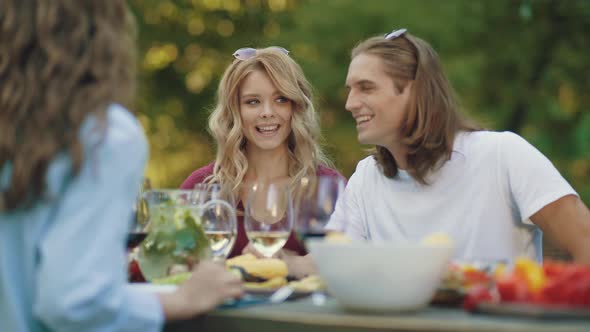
(264, 276)
(551, 290)
(299, 288)
(531, 310)
(461, 277)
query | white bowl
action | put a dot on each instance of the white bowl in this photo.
(380, 277)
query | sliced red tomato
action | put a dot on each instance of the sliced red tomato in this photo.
(476, 295)
(552, 268)
(476, 277)
(512, 288)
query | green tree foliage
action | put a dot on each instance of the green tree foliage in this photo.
(518, 65)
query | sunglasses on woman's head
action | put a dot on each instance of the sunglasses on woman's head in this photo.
(395, 33)
(245, 53)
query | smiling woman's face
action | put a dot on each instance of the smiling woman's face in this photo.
(265, 113)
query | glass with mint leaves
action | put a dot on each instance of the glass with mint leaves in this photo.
(176, 239)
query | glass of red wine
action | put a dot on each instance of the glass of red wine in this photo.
(315, 199)
(140, 218)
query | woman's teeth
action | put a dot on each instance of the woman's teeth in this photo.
(267, 129)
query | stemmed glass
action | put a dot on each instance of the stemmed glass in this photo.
(268, 217)
(140, 217)
(138, 231)
(177, 238)
(316, 199)
(218, 218)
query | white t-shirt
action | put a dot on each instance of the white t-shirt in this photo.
(482, 198)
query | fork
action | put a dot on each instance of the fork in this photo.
(281, 294)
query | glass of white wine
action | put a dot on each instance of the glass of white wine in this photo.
(218, 218)
(268, 217)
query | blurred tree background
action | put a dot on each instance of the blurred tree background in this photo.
(518, 65)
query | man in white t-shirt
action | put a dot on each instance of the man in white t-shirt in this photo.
(433, 171)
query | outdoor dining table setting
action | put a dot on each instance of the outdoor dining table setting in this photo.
(468, 297)
(409, 286)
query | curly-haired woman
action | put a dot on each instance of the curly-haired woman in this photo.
(71, 159)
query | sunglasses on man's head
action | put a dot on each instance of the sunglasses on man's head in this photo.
(245, 53)
(395, 33)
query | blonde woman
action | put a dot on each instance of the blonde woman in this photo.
(266, 128)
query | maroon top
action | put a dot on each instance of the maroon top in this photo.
(292, 244)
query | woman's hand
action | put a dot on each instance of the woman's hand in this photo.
(209, 286)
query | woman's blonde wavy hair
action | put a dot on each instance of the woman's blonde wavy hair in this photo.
(60, 61)
(432, 119)
(225, 125)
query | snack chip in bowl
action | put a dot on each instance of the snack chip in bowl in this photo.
(337, 237)
(437, 239)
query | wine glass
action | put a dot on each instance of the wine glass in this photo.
(315, 200)
(140, 217)
(137, 231)
(268, 217)
(218, 219)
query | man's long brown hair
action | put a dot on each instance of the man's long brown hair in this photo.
(432, 119)
(60, 61)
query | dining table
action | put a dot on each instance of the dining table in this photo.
(307, 316)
